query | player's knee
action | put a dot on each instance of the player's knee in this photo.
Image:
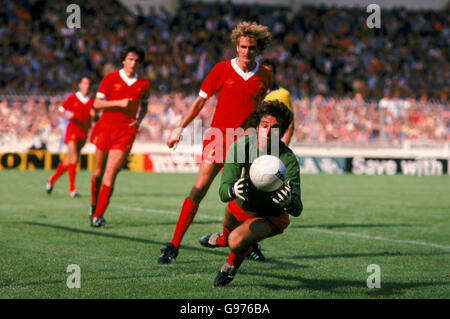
(96, 174)
(73, 159)
(233, 242)
(236, 243)
(197, 194)
(109, 177)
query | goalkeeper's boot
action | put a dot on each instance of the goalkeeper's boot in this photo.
(256, 254)
(225, 275)
(98, 222)
(168, 254)
(48, 187)
(210, 240)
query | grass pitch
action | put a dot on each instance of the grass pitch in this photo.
(400, 223)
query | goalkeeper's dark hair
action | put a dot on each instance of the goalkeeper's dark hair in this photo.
(139, 52)
(276, 109)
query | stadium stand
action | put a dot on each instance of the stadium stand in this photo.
(349, 84)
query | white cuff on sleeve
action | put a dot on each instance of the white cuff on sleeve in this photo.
(203, 94)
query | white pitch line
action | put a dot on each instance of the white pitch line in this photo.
(412, 242)
(401, 241)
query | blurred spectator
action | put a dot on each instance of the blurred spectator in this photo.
(334, 66)
(346, 120)
(326, 51)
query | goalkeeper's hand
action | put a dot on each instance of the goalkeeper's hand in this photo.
(282, 196)
(241, 187)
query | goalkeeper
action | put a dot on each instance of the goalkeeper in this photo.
(252, 215)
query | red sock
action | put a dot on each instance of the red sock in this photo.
(71, 171)
(187, 214)
(223, 239)
(102, 200)
(237, 259)
(95, 188)
(61, 169)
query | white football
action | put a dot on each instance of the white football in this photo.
(267, 173)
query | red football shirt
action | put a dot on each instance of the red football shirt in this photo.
(80, 107)
(238, 93)
(116, 86)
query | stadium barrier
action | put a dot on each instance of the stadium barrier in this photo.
(188, 163)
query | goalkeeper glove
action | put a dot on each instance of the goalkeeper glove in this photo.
(282, 196)
(241, 187)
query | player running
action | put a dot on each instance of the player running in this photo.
(121, 96)
(239, 84)
(77, 108)
(252, 215)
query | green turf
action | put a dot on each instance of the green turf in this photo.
(400, 223)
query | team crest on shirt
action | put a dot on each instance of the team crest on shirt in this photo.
(117, 87)
(229, 83)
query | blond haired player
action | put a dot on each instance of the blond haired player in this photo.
(239, 85)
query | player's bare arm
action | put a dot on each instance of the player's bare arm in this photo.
(192, 113)
(92, 113)
(100, 103)
(67, 114)
(142, 112)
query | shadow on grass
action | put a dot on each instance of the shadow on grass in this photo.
(55, 282)
(388, 289)
(222, 252)
(103, 233)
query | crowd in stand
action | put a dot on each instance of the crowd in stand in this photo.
(321, 51)
(350, 120)
(329, 60)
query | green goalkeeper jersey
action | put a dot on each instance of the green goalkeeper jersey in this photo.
(241, 154)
